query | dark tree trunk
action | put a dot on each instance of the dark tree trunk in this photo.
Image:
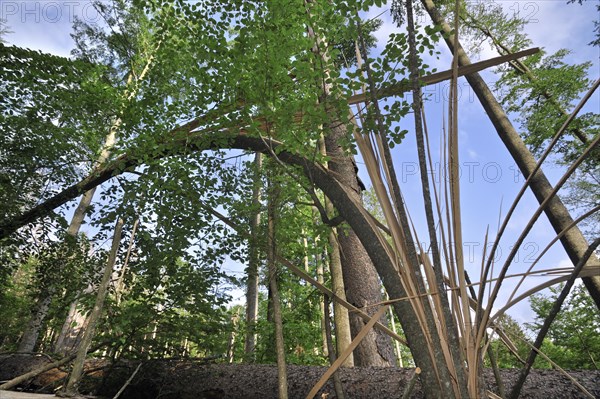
(361, 281)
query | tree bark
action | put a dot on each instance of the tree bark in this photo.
(341, 317)
(337, 382)
(282, 382)
(321, 280)
(34, 325)
(77, 371)
(361, 282)
(573, 241)
(253, 264)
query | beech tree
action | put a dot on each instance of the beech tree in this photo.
(230, 79)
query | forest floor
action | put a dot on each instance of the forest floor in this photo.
(189, 379)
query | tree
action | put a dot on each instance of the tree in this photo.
(250, 78)
(542, 90)
(573, 241)
(574, 337)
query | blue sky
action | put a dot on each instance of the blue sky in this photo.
(490, 179)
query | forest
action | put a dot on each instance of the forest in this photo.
(302, 198)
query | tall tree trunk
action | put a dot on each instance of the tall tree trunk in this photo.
(70, 332)
(361, 282)
(88, 335)
(75, 321)
(341, 317)
(254, 263)
(340, 313)
(573, 241)
(360, 277)
(120, 284)
(343, 332)
(274, 294)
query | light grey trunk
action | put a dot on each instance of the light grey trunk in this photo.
(254, 263)
(343, 332)
(88, 335)
(34, 326)
(321, 280)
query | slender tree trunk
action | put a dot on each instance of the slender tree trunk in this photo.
(77, 371)
(275, 299)
(337, 382)
(397, 348)
(42, 305)
(343, 333)
(254, 264)
(573, 241)
(120, 284)
(451, 328)
(321, 280)
(231, 342)
(75, 321)
(70, 332)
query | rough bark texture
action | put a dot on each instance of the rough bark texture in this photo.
(573, 241)
(361, 282)
(194, 380)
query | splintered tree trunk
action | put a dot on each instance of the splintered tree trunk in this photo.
(253, 266)
(88, 335)
(275, 299)
(573, 241)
